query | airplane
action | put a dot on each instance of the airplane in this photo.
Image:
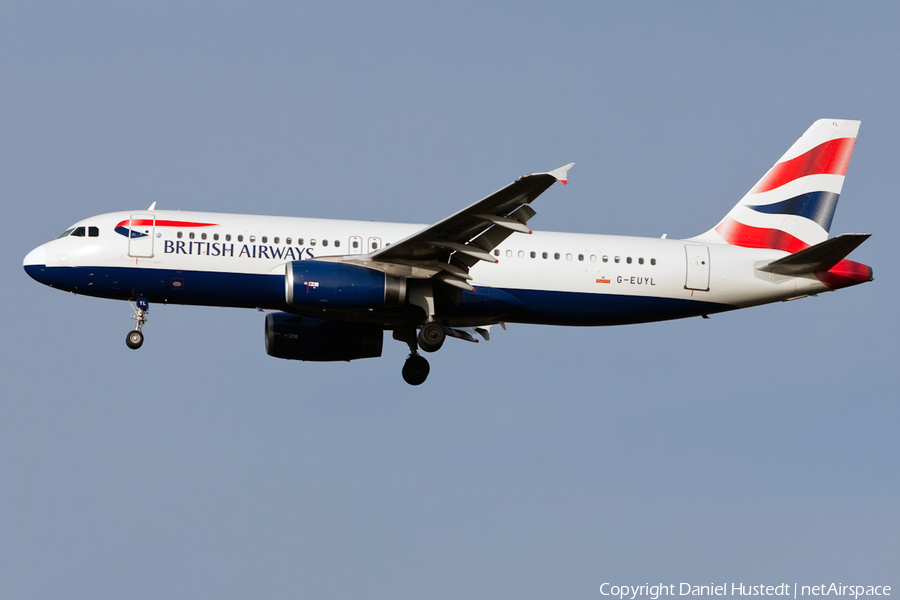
(335, 287)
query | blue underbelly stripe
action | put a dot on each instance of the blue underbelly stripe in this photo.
(243, 290)
(573, 308)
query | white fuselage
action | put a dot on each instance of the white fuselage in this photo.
(710, 276)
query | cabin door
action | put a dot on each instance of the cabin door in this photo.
(142, 230)
(697, 268)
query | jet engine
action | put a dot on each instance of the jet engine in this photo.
(305, 338)
(314, 284)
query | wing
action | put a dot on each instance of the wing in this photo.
(450, 247)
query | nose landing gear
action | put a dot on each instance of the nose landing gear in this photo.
(135, 338)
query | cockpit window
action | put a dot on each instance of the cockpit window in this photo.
(66, 232)
(79, 232)
(93, 232)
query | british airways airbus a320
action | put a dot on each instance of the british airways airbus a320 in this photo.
(337, 286)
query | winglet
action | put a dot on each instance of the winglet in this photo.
(562, 173)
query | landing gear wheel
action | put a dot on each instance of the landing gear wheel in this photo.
(431, 337)
(134, 339)
(415, 370)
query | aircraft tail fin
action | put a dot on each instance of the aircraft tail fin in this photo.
(792, 206)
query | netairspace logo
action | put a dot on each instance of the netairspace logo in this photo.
(654, 592)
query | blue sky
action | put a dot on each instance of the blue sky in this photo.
(756, 446)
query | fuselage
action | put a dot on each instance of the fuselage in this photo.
(554, 278)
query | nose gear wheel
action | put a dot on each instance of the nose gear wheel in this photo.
(135, 338)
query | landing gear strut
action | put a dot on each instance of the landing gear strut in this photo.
(415, 369)
(135, 338)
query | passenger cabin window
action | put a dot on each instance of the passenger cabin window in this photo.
(337, 243)
(79, 232)
(93, 232)
(191, 235)
(202, 236)
(628, 260)
(375, 245)
(617, 259)
(593, 258)
(312, 242)
(581, 257)
(521, 254)
(533, 254)
(252, 238)
(356, 244)
(276, 240)
(556, 255)
(178, 235)
(509, 254)
(641, 261)
(240, 238)
(299, 241)
(324, 242)
(652, 261)
(496, 253)
(605, 258)
(216, 237)
(265, 240)
(227, 237)
(287, 241)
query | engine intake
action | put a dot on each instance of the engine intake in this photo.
(310, 283)
(305, 338)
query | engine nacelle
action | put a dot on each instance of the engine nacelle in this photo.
(314, 284)
(305, 338)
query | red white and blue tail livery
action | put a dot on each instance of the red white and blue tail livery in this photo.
(335, 287)
(792, 206)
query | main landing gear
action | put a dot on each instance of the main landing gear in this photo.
(415, 369)
(430, 339)
(135, 338)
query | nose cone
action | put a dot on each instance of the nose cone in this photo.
(35, 262)
(38, 256)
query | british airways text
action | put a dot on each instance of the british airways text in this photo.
(242, 250)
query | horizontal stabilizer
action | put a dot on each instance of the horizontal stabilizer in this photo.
(821, 257)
